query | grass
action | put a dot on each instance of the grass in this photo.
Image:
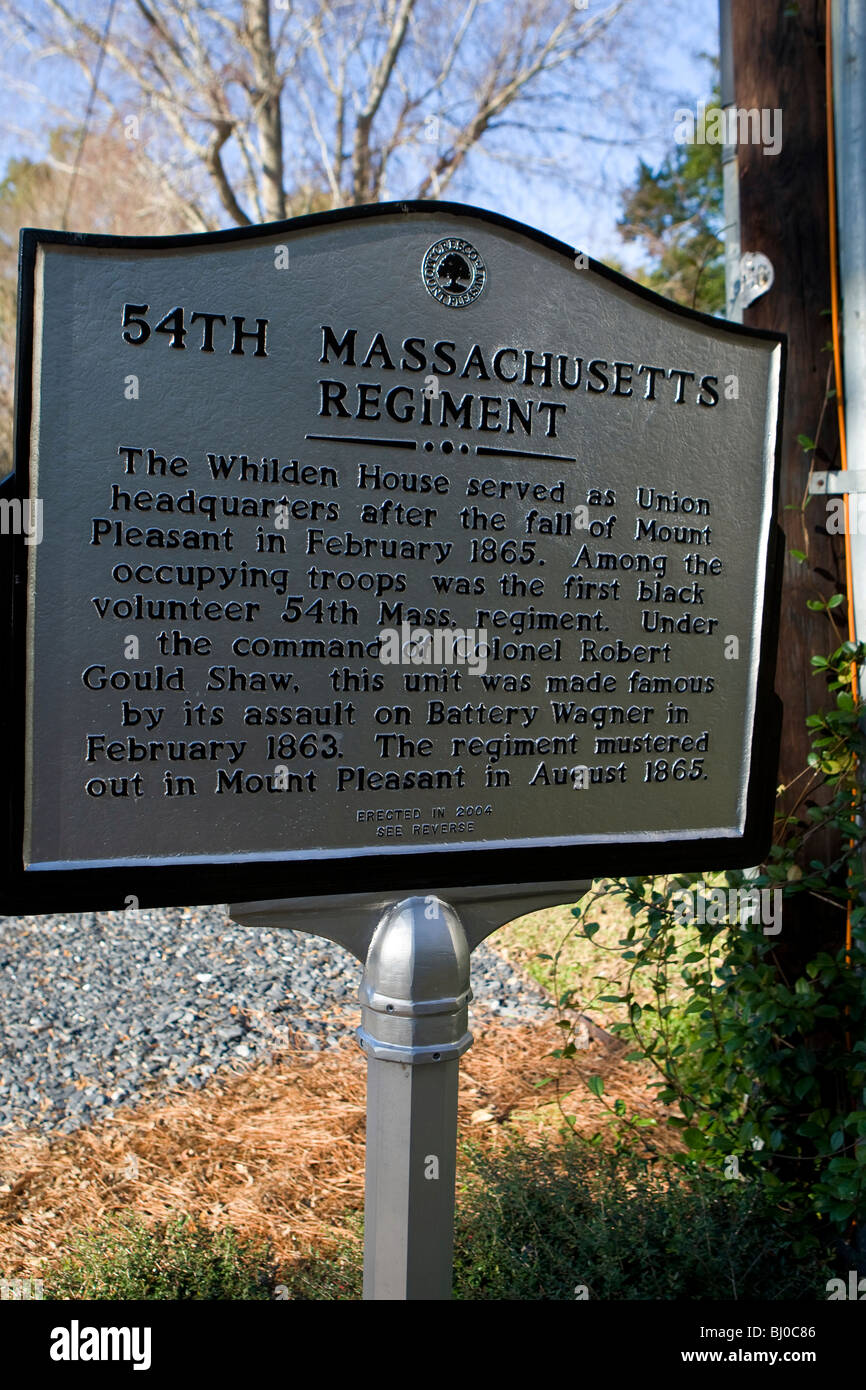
(551, 947)
(535, 1221)
(173, 1260)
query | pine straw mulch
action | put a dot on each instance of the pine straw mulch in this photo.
(277, 1149)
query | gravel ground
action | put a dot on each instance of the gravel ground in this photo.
(98, 1009)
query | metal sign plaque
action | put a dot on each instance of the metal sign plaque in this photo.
(381, 548)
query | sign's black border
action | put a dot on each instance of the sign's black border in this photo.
(92, 889)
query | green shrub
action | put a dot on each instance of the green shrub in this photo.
(330, 1277)
(543, 1223)
(534, 1222)
(759, 1041)
(180, 1259)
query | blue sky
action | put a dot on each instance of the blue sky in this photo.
(582, 209)
(587, 219)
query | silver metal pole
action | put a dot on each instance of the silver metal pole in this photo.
(849, 101)
(730, 170)
(414, 995)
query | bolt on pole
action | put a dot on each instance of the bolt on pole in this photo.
(414, 995)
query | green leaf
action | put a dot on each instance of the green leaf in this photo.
(596, 1085)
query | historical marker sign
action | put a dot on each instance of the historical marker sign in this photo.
(379, 549)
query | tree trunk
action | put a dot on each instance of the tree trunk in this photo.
(779, 64)
(267, 106)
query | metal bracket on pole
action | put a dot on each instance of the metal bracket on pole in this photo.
(755, 277)
(414, 995)
(837, 482)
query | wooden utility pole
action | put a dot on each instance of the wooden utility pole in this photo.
(779, 65)
(779, 55)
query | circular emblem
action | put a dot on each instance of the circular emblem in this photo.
(453, 272)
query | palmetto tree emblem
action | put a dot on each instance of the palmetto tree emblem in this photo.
(453, 272)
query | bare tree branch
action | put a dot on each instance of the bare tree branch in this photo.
(333, 102)
(361, 155)
(266, 108)
(214, 163)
